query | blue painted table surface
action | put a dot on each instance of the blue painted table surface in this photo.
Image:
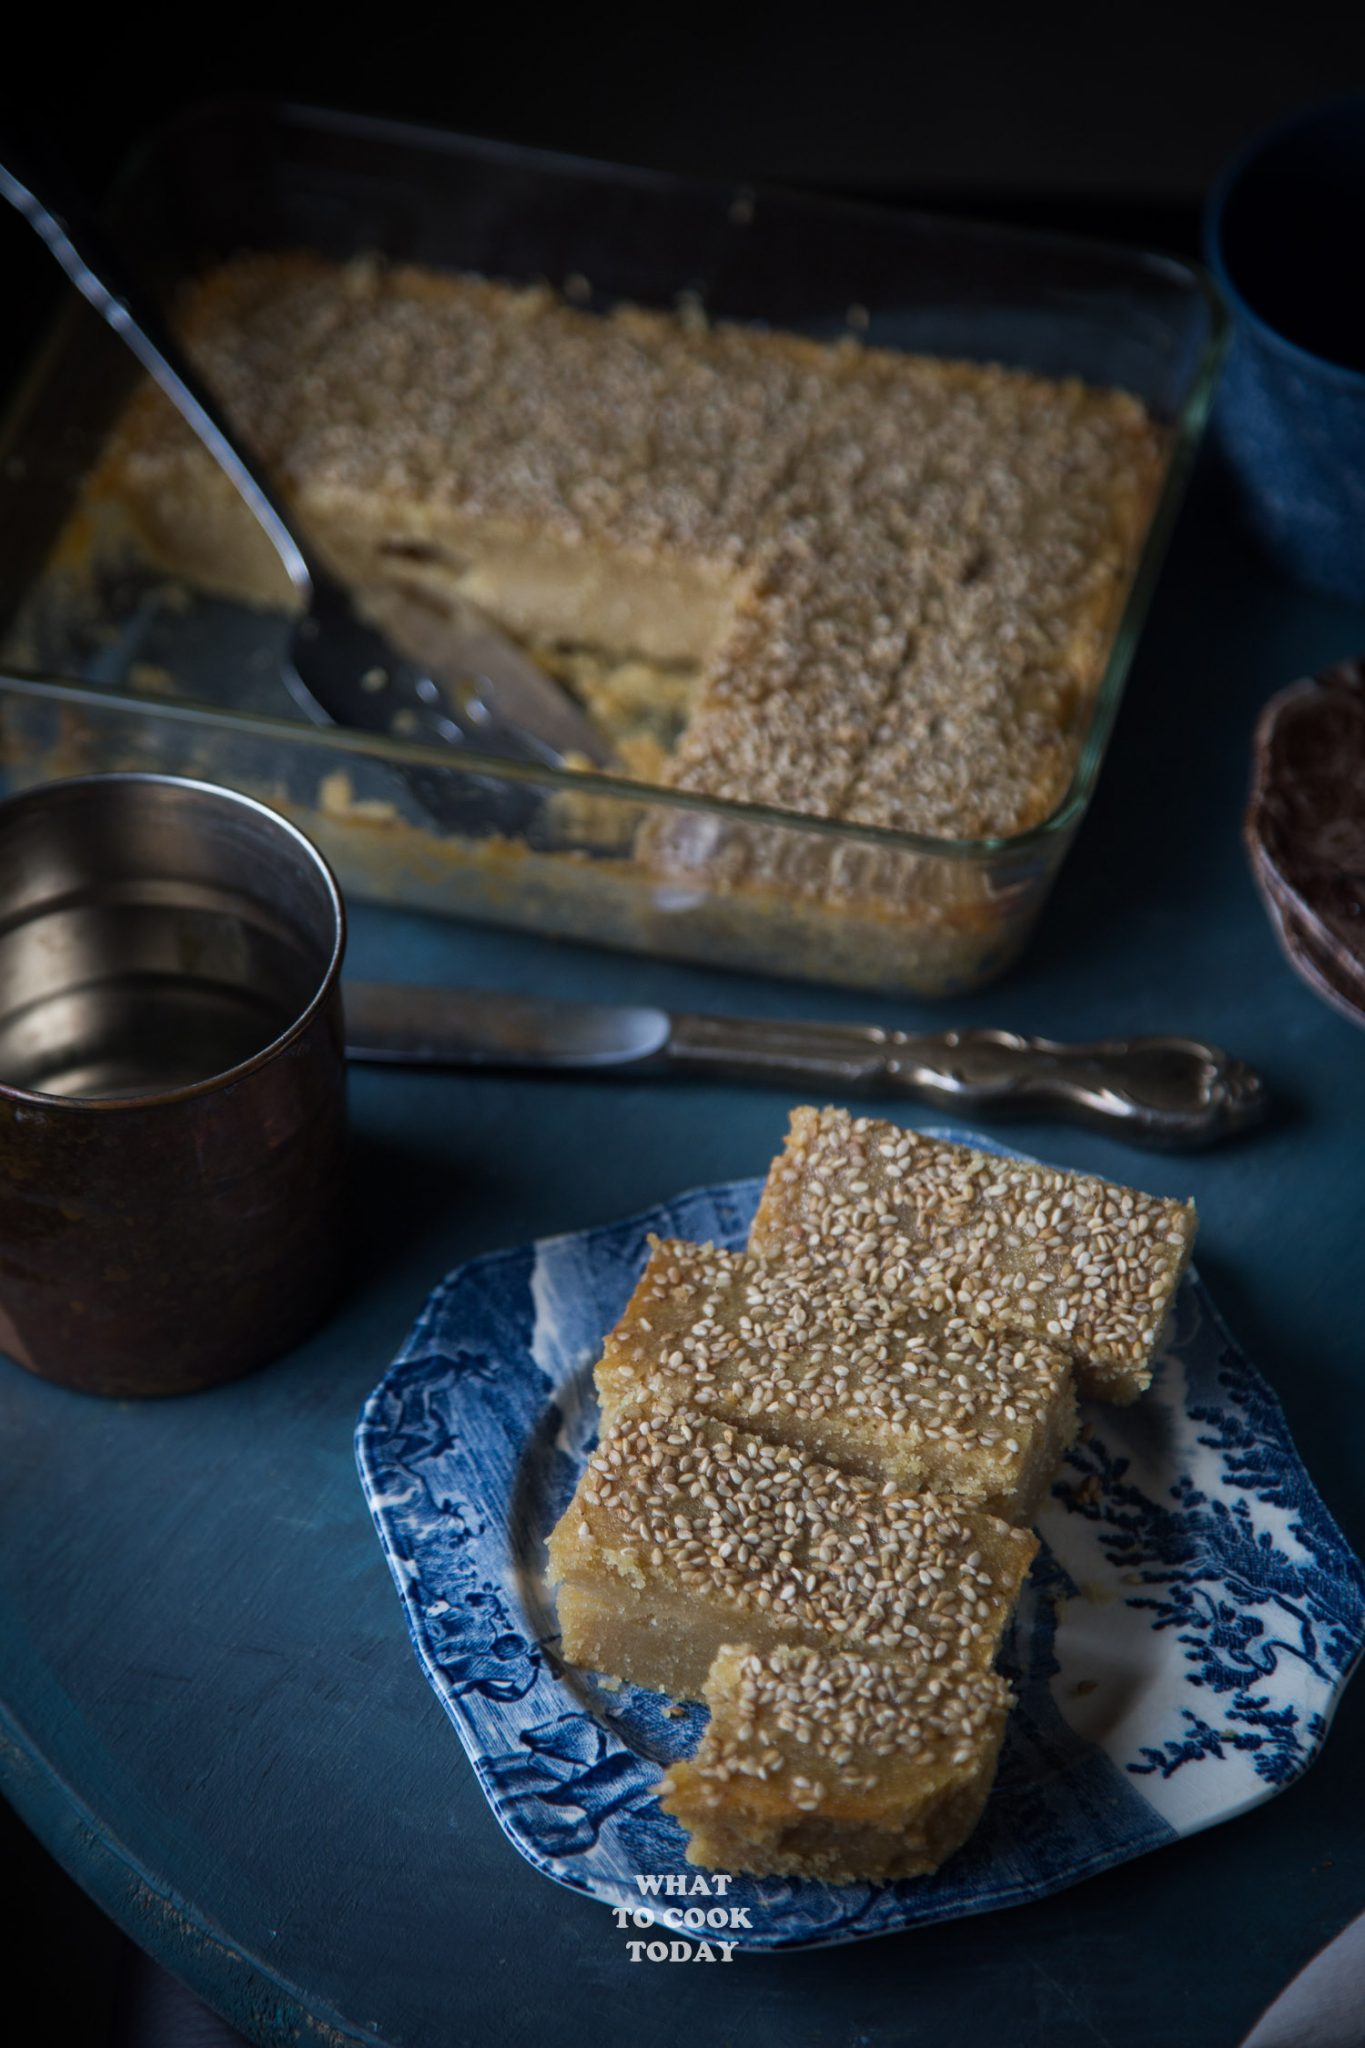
(211, 1712)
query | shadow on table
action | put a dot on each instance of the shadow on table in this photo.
(398, 1204)
(152, 2009)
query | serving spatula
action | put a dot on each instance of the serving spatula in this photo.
(342, 668)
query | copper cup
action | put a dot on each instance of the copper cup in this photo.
(172, 1083)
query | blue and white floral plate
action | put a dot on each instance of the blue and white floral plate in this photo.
(1187, 1630)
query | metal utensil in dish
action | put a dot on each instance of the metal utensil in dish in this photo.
(1156, 1091)
(483, 689)
(172, 1083)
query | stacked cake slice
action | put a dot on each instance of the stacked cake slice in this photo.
(818, 1461)
(686, 1533)
(824, 1763)
(1081, 1262)
(879, 1384)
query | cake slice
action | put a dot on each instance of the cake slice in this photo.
(832, 1765)
(1066, 1257)
(878, 1384)
(686, 1533)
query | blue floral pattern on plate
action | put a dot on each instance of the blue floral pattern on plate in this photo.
(1187, 1629)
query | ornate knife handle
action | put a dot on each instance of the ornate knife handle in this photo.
(1158, 1091)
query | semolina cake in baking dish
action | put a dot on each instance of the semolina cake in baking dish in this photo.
(841, 581)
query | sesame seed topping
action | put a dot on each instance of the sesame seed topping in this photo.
(1065, 1258)
(891, 578)
(822, 1722)
(875, 1382)
(763, 1529)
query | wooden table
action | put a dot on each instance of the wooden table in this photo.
(208, 1707)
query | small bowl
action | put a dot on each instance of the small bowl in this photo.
(1283, 229)
(172, 1083)
(1305, 830)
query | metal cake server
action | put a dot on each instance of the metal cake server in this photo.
(1157, 1091)
(342, 668)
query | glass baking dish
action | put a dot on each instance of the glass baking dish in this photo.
(194, 684)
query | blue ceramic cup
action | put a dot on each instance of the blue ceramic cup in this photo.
(1285, 238)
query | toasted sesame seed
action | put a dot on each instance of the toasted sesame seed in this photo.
(841, 1722)
(1072, 1260)
(760, 1529)
(900, 562)
(801, 1354)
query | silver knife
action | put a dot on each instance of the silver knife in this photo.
(1160, 1091)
